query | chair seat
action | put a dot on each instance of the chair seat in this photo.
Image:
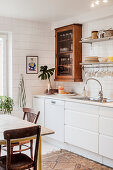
(18, 161)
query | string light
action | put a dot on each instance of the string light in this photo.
(92, 5)
(98, 2)
(105, 1)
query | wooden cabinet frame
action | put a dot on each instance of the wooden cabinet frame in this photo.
(77, 53)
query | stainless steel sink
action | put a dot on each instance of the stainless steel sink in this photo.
(105, 100)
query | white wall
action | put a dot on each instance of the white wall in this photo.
(28, 38)
(33, 38)
(101, 49)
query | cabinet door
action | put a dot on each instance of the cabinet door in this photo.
(106, 126)
(81, 120)
(81, 138)
(54, 118)
(68, 53)
(106, 146)
(84, 108)
(38, 105)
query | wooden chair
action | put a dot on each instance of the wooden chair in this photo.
(20, 161)
(30, 116)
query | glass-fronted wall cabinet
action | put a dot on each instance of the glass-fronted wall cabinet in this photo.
(68, 53)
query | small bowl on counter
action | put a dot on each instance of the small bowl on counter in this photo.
(103, 59)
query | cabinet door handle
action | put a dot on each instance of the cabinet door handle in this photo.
(53, 102)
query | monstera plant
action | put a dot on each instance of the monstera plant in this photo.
(46, 73)
(6, 104)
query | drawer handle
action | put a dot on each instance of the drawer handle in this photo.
(53, 102)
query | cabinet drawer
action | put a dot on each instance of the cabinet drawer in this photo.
(54, 102)
(81, 120)
(81, 138)
(106, 126)
(85, 108)
(106, 146)
(106, 111)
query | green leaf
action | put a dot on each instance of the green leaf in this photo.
(6, 104)
(46, 73)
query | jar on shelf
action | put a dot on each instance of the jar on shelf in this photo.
(94, 34)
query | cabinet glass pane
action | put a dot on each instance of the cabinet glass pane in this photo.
(65, 53)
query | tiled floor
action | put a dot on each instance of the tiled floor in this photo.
(64, 160)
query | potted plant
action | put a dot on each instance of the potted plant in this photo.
(45, 74)
(6, 104)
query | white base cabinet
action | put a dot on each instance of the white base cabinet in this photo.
(106, 146)
(81, 138)
(106, 132)
(39, 105)
(88, 127)
(54, 118)
(81, 120)
(81, 126)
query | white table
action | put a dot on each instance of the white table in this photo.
(8, 122)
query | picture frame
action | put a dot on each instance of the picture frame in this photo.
(31, 64)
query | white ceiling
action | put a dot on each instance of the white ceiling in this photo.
(46, 10)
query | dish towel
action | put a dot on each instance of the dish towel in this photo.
(22, 93)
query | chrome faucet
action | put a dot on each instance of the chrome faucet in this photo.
(100, 92)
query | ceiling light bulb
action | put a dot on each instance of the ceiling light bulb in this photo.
(92, 5)
(97, 2)
(105, 1)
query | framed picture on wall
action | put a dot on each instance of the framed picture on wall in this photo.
(31, 64)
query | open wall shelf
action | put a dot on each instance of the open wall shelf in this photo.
(96, 65)
(90, 41)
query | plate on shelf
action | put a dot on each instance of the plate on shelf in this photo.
(91, 58)
(73, 94)
(91, 61)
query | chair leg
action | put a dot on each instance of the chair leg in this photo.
(31, 148)
(20, 148)
(35, 168)
(0, 150)
(11, 149)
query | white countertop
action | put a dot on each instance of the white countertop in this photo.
(67, 98)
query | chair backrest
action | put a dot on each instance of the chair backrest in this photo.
(30, 115)
(21, 133)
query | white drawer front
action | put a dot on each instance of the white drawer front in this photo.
(85, 108)
(81, 120)
(81, 138)
(106, 146)
(54, 102)
(106, 111)
(106, 126)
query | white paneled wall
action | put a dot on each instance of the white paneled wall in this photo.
(29, 38)
(35, 38)
(101, 49)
